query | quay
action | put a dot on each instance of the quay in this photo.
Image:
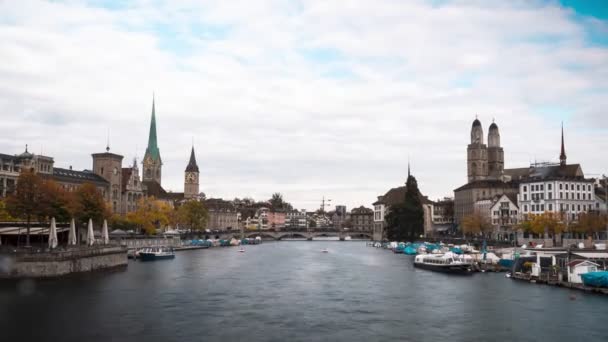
(46, 263)
(553, 280)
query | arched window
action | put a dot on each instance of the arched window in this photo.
(148, 173)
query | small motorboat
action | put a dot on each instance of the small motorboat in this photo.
(241, 250)
(156, 253)
(324, 250)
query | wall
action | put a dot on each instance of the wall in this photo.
(58, 263)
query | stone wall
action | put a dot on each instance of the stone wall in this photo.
(33, 264)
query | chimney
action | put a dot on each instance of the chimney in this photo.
(70, 167)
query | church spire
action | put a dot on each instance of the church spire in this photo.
(152, 148)
(192, 167)
(408, 167)
(562, 156)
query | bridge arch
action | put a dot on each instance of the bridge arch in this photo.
(292, 235)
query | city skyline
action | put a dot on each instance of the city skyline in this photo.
(301, 113)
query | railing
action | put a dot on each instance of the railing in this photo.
(59, 254)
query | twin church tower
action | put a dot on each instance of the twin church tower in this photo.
(152, 163)
(485, 162)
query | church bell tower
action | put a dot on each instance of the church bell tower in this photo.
(152, 163)
(477, 154)
(191, 185)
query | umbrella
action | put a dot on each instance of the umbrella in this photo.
(104, 233)
(72, 235)
(53, 234)
(90, 234)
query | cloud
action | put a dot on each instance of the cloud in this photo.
(306, 98)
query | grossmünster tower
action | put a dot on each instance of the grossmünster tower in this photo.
(152, 162)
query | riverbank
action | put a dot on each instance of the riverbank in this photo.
(35, 263)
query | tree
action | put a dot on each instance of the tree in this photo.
(89, 204)
(545, 223)
(193, 214)
(405, 221)
(151, 214)
(277, 202)
(4, 214)
(26, 201)
(475, 224)
(56, 202)
(590, 223)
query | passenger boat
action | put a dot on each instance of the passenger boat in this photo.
(156, 253)
(446, 263)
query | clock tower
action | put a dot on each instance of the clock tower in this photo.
(191, 185)
(152, 162)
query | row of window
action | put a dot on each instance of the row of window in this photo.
(568, 195)
(562, 186)
(497, 212)
(562, 207)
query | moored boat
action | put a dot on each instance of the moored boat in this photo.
(156, 253)
(446, 263)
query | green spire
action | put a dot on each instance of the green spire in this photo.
(152, 149)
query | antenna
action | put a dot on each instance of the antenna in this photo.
(108, 141)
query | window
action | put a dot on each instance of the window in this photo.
(542, 187)
(548, 186)
(550, 195)
(560, 186)
(542, 196)
(579, 208)
(578, 195)
(567, 195)
(525, 197)
(525, 188)
(578, 187)
(561, 195)
(589, 187)
(525, 208)
(550, 207)
(542, 207)
(571, 186)
(561, 207)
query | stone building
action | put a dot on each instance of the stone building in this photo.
(295, 219)
(362, 219)
(109, 166)
(222, 215)
(132, 188)
(12, 165)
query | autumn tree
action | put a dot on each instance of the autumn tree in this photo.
(545, 223)
(26, 201)
(590, 223)
(4, 214)
(193, 215)
(476, 224)
(56, 202)
(89, 204)
(151, 214)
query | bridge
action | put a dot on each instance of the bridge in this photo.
(293, 234)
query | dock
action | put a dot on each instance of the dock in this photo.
(553, 280)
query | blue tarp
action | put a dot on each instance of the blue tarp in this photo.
(456, 250)
(595, 279)
(409, 250)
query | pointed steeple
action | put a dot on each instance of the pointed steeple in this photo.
(192, 167)
(408, 167)
(152, 148)
(562, 156)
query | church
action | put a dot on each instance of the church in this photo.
(152, 171)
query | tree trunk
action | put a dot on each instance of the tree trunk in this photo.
(27, 234)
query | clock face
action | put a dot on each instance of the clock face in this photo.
(190, 177)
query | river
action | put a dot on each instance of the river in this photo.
(290, 291)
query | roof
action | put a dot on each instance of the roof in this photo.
(592, 255)
(126, 175)
(476, 123)
(73, 176)
(361, 211)
(219, 204)
(493, 126)
(579, 262)
(510, 197)
(152, 149)
(554, 172)
(192, 167)
(488, 183)
(154, 189)
(107, 155)
(397, 195)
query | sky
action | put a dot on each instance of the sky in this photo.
(311, 98)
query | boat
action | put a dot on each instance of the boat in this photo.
(324, 250)
(242, 250)
(447, 263)
(156, 253)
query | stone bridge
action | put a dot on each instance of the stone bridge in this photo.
(293, 234)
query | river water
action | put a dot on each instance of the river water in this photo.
(290, 291)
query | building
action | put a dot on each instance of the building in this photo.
(109, 166)
(339, 217)
(191, 179)
(222, 215)
(486, 176)
(276, 219)
(362, 219)
(152, 163)
(504, 217)
(132, 188)
(12, 165)
(296, 219)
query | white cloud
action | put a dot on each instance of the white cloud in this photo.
(408, 79)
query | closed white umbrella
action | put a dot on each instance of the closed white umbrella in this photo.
(53, 234)
(104, 233)
(90, 234)
(72, 235)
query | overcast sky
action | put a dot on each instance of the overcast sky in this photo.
(306, 98)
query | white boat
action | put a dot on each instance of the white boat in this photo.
(447, 263)
(156, 253)
(242, 250)
(324, 250)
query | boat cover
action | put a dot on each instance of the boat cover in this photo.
(409, 250)
(595, 279)
(456, 250)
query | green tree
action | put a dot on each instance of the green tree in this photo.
(405, 221)
(278, 203)
(193, 215)
(89, 204)
(26, 202)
